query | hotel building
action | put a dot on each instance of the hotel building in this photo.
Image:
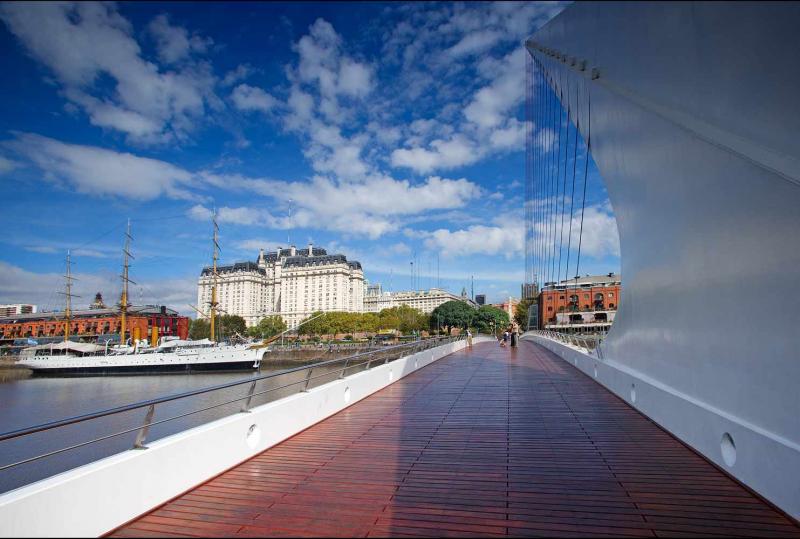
(292, 283)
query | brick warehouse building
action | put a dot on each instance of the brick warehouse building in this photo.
(593, 293)
(92, 325)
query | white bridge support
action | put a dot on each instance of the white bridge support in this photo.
(695, 128)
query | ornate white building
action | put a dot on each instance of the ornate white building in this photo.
(426, 301)
(292, 283)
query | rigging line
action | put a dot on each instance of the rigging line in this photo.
(572, 194)
(585, 172)
(536, 170)
(528, 157)
(546, 179)
(542, 145)
(556, 174)
(564, 186)
(101, 236)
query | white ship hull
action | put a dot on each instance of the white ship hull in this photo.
(215, 358)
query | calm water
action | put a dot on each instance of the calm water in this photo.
(31, 401)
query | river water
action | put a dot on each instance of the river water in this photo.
(32, 400)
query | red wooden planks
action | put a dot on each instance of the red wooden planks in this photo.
(486, 442)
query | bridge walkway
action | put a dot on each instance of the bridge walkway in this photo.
(489, 441)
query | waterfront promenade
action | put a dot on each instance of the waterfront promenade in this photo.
(488, 441)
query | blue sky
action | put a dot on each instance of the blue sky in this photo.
(387, 131)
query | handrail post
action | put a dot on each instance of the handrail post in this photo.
(341, 375)
(246, 406)
(308, 380)
(142, 435)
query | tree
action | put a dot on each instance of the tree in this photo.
(229, 324)
(403, 318)
(313, 325)
(199, 329)
(368, 322)
(268, 327)
(489, 318)
(452, 314)
(521, 312)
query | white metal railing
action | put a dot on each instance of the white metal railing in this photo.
(589, 343)
(339, 367)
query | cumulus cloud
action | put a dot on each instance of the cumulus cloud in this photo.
(233, 76)
(372, 207)
(506, 239)
(506, 235)
(174, 42)
(441, 154)
(97, 171)
(82, 42)
(324, 65)
(250, 98)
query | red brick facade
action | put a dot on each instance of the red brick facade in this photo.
(88, 326)
(589, 298)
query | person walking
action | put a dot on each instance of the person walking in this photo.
(505, 337)
(469, 338)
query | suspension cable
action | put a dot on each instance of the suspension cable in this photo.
(585, 173)
(564, 186)
(572, 193)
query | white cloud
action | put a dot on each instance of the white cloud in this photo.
(506, 235)
(236, 216)
(233, 76)
(174, 42)
(250, 98)
(97, 171)
(491, 104)
(82, 42)
(354, 79)
(7, 165)
(371, 207)
(507, 241)
(474, 43)
(325, 66)
(443, 154)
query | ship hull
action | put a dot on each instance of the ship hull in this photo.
(149, 369)
(226, 360)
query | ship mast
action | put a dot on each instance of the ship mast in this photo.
(213, 306)
(123, 303)
(68, 295)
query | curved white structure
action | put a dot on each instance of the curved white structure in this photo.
(695, 117)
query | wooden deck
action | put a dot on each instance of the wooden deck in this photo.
(492, 441)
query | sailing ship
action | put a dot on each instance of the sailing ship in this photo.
(140, 356)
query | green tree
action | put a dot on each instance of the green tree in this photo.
(403, 318)
(489, 317)
(199, 329)
(521, 312)
(230, 324)
(268, 327)
(313, 325)
(369, 322)
(452, 314)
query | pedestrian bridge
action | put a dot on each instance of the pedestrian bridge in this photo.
(684, 422)
(487, 441)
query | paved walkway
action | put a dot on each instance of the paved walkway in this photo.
(486, 442)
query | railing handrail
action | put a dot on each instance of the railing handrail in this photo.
(152, 402)
(570, 338)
